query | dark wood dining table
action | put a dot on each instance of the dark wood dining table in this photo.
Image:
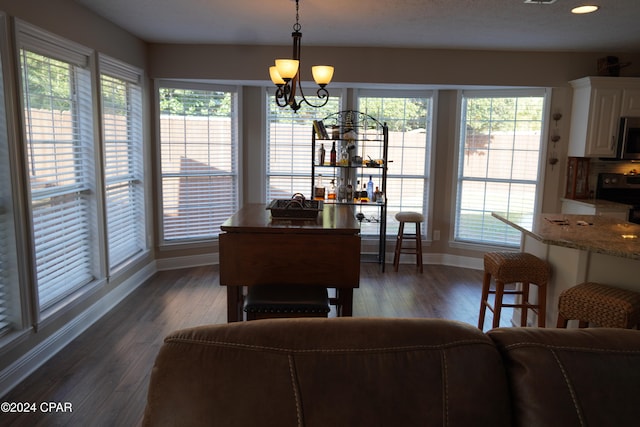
(256, 249)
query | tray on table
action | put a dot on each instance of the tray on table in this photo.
(295, 208)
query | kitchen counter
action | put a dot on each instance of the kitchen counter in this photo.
(594, 233)
(579, 248)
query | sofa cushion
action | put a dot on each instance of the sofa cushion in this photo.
(322, 372)
(572, 377)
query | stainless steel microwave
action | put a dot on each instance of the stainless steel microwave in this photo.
(629, 139)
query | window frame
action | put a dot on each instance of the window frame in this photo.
(15, 312)
(236, 154)
(395, 201)
(82, 60)
(132, 79)
(545, 93)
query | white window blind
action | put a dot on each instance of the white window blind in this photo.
(408, 115)
(59, 136)
(289, 143)
(499, 159)
(123, 162)
(199, 159)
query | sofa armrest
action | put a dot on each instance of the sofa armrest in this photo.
(572, 377)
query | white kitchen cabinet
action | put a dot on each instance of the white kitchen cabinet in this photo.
(598, 103)
(630, 103)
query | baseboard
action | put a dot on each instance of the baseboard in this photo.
(176, 263)
(443, 259)
(209, 259)
(454, 261)
(13, 374)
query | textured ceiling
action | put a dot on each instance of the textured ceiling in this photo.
(457, 24)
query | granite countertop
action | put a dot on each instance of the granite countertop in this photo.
(595, 233)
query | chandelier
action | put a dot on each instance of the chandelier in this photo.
(285, 75)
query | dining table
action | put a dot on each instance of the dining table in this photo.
(257, 249)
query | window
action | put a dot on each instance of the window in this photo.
(289, 142)
(199, 159)
(56, 91)
(408, 116)
(499, 162)
(123, 160)
(9, 301)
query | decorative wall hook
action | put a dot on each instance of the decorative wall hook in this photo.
(555, 137)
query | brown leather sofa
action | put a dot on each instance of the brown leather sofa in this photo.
(394, 372)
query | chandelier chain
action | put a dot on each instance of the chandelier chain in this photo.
(297, 26)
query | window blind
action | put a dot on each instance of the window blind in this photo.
(123, 164)
(289, 144)
(199, 160)
(408, 115)
(499, 159)
(59, 136)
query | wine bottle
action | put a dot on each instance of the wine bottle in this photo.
(333, 154)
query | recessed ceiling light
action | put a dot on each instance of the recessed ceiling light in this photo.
(584, 9)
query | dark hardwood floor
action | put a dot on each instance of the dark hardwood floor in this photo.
(104, 373)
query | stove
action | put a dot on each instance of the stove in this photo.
(620, 188)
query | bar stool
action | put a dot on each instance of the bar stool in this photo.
(603, 305)
(408, 217)
(273, 301)
(514, 267)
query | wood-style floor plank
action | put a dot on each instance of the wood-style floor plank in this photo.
(104, 373)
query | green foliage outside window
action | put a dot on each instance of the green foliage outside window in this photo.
(48, 82)
(190, 103)
(502, 114)
(412, 112)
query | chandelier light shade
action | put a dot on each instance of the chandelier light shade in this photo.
(275, 76)
(285, 74)
(322, 74)
(287, 68)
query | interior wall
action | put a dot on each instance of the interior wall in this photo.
(384, 66)
(70, 20)
(441, 70)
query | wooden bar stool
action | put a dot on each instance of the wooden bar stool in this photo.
(603, 305)
(273, 301)
(403, 218)
(514, 267)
